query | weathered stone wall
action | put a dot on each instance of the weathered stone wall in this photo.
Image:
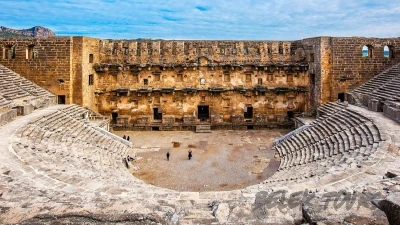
(51, 62)
(350, 68)
(177, 52)
(133, 77)
(85, 55)
(310, 50)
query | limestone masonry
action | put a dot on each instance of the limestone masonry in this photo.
(59, 164)
(171, 85)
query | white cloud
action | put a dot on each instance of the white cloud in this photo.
(235, 19)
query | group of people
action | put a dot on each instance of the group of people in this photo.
(190, 154)
(126, 137)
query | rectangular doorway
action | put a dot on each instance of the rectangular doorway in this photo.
(61, 99)
(290, 114)
(313, 97)
(203, 112)
(340, 97)
(248, 112)
(114, 117)
(157, 113)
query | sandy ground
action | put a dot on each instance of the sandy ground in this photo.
(222, 160)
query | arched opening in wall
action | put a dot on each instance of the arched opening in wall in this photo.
(389, 52)
(367, 51)
(9, 52)
(386, 51)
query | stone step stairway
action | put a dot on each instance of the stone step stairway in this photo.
(203, 129)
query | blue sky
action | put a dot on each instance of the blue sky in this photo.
(202, 20)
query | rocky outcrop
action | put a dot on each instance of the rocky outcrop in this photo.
(391, 207)
(34, 32)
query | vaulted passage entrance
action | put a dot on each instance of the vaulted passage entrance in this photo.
(203, 112)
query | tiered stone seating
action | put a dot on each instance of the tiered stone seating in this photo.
(330, 108)
(75, 111)
(9, 90)
(379, 80)
(4, 103)
(381, 88)
(23, 85)
(69, 149)
(341, 138)
(388, 91)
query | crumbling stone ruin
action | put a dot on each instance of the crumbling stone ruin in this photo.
(60, 164)
(174, 85)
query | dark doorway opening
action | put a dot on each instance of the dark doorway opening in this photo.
(340, 97)
(290, 114)
(248, 112)
(114, 117)
(157, 112)
(250, 127)
(312, 90)
(380, 106)
(203, 112)
(61, 99)
(155, 128)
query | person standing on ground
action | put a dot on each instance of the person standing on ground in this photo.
(124, 137)
(167, 156)
(128, 138)
(190, 154)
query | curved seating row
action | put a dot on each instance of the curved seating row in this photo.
(4, 103)
(379, 80)
(342, 138)
(70, 149)
(15, 86)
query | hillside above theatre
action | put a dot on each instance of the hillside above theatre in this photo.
(34, 32)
